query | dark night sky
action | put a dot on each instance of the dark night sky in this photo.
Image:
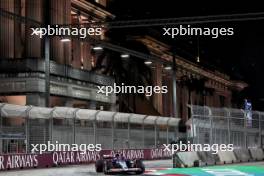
(240, 56)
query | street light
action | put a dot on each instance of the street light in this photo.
(97, 48)
(65, 40)
(198, 59)
(167, 67)
(148, 62)
(198, 51)
(124, 55)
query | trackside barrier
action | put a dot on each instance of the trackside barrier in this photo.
(226, 157)
(256, 154)
(242, 155)
(186, 159)
(208, 158)
(190, 159)
(53, 159)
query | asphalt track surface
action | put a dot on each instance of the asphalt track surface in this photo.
(237, 169)
(88, 170)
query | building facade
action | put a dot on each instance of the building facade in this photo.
(73, 81)
(22, 55)
(195, 85)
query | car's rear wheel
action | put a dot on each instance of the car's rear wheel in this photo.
(99, 166)
(139, 164)
(107, 166)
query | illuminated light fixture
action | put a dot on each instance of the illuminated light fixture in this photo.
(65, 40)
(148, 62)
(198, 51)
(167, 67)
(97, 48)
(124, 56)
(198, 59)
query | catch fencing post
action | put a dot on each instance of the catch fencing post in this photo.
(27, 127)
(261, 124)
(51, 125)
(260, 131)
(143, 131)
(155, 127)
(74, 125)
(194, 140)
(1, 126)
(228, 125)
(95, 127)
(167, 136)
(211, 125)
(245, 127)
(128, 131)
(192, 127)
(113, 130)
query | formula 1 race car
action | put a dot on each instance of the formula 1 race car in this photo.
(117, 164)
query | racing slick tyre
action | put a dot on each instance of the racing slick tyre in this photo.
(108, 165)
(139, 164)
(99, 166)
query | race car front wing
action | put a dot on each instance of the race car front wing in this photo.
(124, 170)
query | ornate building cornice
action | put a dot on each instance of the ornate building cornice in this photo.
(90, 8)
(162, 50)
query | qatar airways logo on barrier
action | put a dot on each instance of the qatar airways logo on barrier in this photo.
(74, 157)
(159, 153)
(18, 161)
(143, 154)
(130, 154)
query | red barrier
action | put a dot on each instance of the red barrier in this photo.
(26, 161)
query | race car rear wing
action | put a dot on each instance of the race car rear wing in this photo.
(108, 156)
